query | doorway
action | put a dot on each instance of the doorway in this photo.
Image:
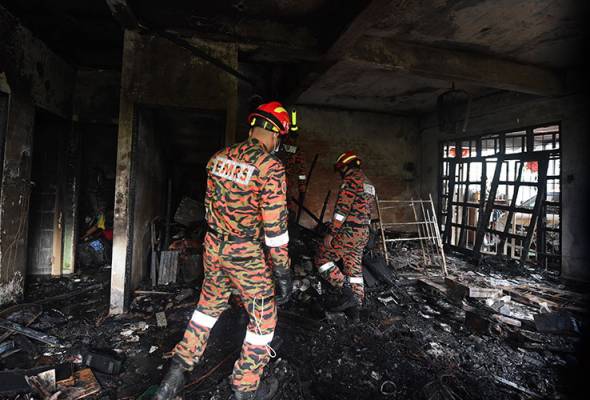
(45, 243)
(171, 149)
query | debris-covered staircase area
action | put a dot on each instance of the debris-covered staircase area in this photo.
(494, 331)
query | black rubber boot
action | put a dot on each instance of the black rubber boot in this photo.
(348, 300)
(173, 382)
(243, 317)
(266, 391)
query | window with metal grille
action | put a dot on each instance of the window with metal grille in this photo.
(501, 194)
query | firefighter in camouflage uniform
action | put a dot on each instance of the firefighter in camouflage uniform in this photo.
(293, 159)
(245, 209)
(349, 233)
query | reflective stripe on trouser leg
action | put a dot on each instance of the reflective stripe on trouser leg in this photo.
(325, 259)
(330, 272)
(325, 268)
(212, 302)
(357, 285)
(356, 280)
(255, 349)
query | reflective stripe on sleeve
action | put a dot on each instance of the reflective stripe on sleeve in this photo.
(302, 177)
(339, 217)
(258, 340)
(277, 241)
(327, 266)
(356, 279)
(369, 189)
(203, 319)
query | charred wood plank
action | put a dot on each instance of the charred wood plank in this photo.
(33, 334)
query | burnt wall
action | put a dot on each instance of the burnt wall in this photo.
(511, 111)
(96, 99)
(37, 78)
(148, 191)
(156, 72)
(388, 146)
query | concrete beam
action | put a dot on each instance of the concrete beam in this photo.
(358, 27)
(123, 13)
(456, 66)
(347, 39)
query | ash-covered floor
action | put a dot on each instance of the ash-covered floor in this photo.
(413, 339)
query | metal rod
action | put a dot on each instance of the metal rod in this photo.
(425, 233)
(419, 234)
(408, 239)
(428, 232)
(392, 207)
(406, 223)
(431, 226)
(323, 212)
(382, 231)
(432, 240)
(403, 201)
(439, 239)
(312, 215)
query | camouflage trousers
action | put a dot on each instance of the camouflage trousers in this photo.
(348, 246)
(239, 266)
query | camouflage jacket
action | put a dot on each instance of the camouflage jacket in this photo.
(246, 197)
(294, 162)
(354, 201)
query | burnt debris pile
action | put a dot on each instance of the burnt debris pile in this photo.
(475, 333)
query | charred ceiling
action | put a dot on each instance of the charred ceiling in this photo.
(381, 55)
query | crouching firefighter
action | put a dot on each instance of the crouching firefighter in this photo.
(246, 208)
(348, 234)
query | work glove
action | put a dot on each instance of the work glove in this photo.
(284, 285)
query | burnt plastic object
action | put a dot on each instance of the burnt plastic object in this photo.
(107, 362)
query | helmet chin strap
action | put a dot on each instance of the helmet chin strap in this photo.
(277, 145)
(344, 170)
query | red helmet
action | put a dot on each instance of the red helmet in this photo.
(347, 158)
(272, 117)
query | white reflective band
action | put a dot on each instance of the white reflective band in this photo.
(302, 177)
(339, 217)
(258, 340)
(369, 189)
(327, 266)
(203, 319)
(277, 241)
(356, 279)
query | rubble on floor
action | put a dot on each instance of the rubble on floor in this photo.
(421, 335)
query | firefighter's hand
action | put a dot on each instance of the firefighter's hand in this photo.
(284, 285)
